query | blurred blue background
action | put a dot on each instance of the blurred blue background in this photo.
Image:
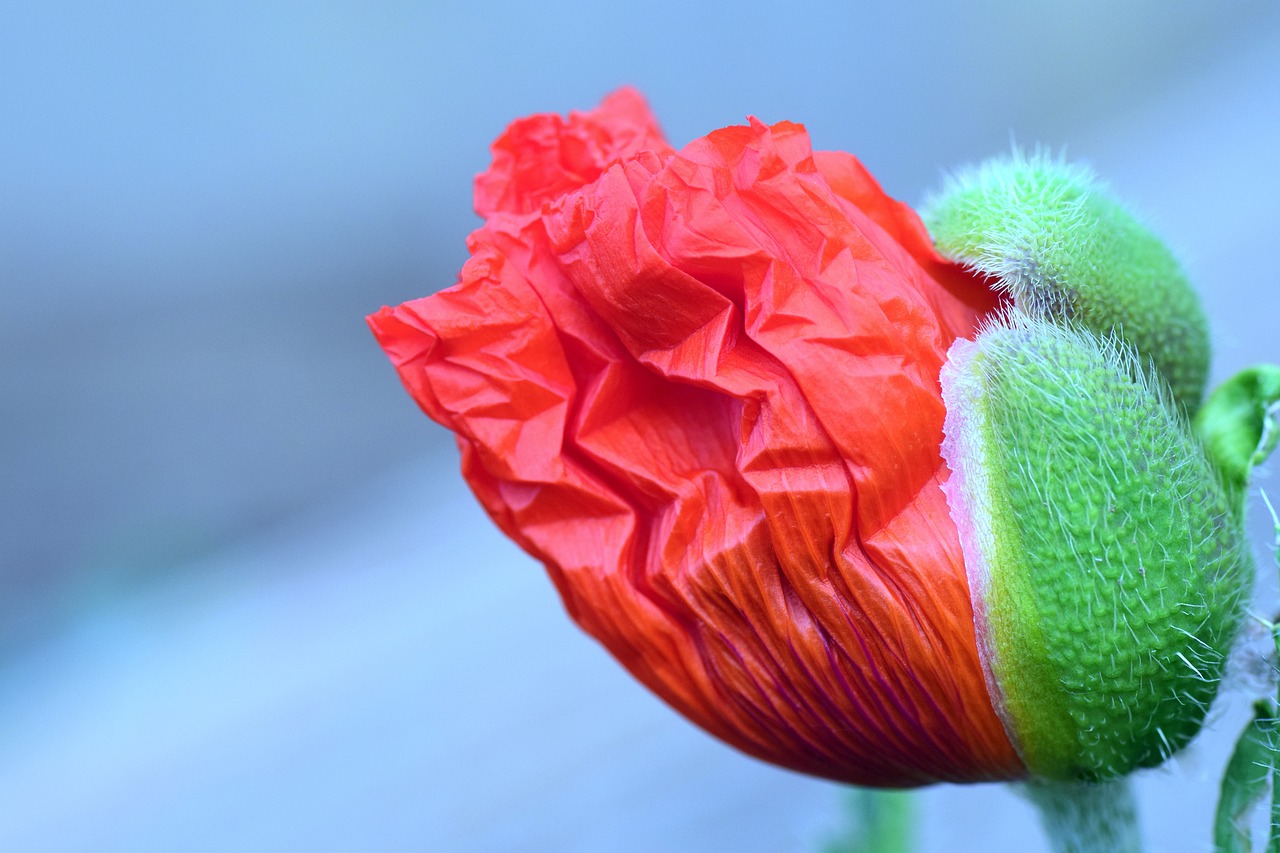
(247, 603)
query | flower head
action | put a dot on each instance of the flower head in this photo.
(702, 388)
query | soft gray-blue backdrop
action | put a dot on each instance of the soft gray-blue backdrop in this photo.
(247, 603)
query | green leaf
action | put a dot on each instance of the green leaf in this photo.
(1244, 785)
(1273, 843)
(1238, 424)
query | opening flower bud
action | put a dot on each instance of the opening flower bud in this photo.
(1054, 237)
(1106, 561)
(701, 387)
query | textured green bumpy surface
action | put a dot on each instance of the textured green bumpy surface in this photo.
(1066, 250)
(1107, 563)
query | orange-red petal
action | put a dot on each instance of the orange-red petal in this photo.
(702, 388)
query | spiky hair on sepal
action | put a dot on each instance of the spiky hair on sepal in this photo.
(1054, 237)
(1106, 562)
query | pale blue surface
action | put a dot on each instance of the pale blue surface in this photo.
(226, 625)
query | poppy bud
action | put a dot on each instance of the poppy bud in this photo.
(1057, 241)
(702, 388)
(1105, 557)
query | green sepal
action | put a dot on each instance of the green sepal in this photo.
(1053, 237)
(1106, 562)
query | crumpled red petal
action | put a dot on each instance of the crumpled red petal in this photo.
(544, 156)
(702, 388)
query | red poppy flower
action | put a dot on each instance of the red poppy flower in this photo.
(701, 386)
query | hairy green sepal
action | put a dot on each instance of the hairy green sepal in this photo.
(1056, 240)
(1105, 560)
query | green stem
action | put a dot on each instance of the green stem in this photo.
(1240, 429)
(880, 821)
(1084, 818)
(1273, 837)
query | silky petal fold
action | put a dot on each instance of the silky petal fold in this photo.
(702, 388)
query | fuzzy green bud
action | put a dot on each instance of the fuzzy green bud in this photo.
(1106, 563)
(1052, 235)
